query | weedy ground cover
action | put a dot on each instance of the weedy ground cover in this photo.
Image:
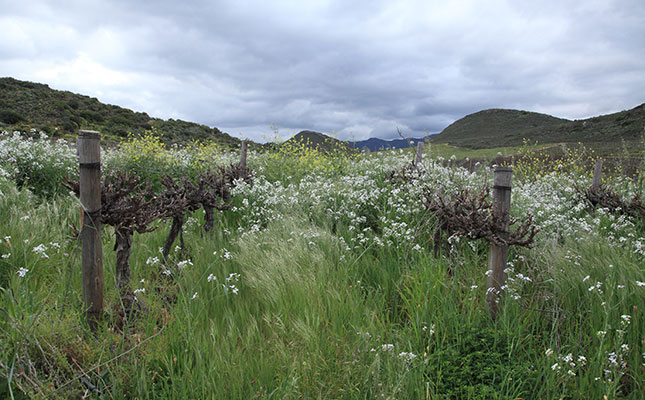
(321, 282)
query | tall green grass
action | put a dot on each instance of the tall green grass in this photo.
(283, 300)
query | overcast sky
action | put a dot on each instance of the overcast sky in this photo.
(358, 69)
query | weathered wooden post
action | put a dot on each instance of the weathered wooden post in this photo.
(89, 154)
(499, 254)
(597, 175)
(243, 153)
(417, 159)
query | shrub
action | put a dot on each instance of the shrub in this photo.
(11, 117)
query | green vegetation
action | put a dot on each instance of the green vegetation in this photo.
(10, 117)
(319, 142)
(495, 128)
(606, 134)
(460, 153)
(320, 282)
(27, 105)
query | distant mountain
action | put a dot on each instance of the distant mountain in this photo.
(25, 105)
(320, 141)
(498, 127)
(375, 144)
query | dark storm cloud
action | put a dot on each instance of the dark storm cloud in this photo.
(360, 69)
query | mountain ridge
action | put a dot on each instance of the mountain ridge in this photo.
(376, 144)
(25, 105)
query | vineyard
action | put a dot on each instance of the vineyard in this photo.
(306, 274)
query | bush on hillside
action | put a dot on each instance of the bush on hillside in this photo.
(10, 117)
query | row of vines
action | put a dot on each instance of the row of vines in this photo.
(406, 241)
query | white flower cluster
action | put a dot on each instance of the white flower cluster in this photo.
(376, 212)
(24, 155)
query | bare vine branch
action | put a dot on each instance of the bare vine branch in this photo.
(606, 197)
(472, 215)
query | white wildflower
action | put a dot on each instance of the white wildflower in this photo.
(41, 249)
(407, 356)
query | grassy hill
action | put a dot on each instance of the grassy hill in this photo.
(25, 105)
(323, 143)
(496, 128)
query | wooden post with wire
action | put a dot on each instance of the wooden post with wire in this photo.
(597, 175)
(89, 154)
(498, 255)
(243, 153)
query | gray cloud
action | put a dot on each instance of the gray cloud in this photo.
(360, 69)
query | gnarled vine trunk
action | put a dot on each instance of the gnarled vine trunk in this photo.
(175, 229)
(123, 246)
(209, 217)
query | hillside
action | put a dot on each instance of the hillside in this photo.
(319, 141)
(496, 128)
(25, 105)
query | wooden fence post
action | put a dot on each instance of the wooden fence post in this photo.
(597, 175)
(417, 159)
(243, 153)
(89, 154)
(499, 254)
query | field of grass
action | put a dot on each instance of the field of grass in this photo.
(321, 282)
(435, 150)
